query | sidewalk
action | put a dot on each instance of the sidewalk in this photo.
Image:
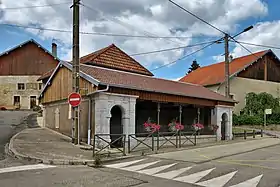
(204, 154)
(46, 146)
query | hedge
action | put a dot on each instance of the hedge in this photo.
(245, 119)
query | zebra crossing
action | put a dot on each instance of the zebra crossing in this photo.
(165, 171)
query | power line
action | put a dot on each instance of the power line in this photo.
(171, 49)
(115, 20)
(35, 6)
(257, 57)
(181, 58)
(197, 17)
(258, 45)
(97, 33)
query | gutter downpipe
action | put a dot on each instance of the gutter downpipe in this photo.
(90, 110)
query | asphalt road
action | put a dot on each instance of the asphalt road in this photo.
(259, 168)
(10, 124)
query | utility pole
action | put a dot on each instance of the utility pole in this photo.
(76, 66)
(227, 88)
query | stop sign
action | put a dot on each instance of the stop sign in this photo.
(74, 99)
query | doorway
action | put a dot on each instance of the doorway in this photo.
(32, 101)
(116, 127)
(223, 125)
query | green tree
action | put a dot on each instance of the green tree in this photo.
(257, 103)
(194, 66)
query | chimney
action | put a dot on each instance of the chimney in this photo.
(54, 49)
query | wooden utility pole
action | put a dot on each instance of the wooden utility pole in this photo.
(76, 66)
(227, 88)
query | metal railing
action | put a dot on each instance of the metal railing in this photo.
(99, 139)
(167, 138)
(140, 141)
(247, 133)
(187, 137)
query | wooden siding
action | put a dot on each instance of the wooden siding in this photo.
(61, 86)
(144, 95)
(267, 68)
(28, 59)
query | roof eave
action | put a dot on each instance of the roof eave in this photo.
(69, 66)
(171, 93)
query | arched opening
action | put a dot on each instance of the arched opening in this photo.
(223, 125)
(116, 127)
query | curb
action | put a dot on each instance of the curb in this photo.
(13, 152)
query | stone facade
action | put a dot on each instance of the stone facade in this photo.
(9, 90)
(239, 87)
(104, 102)
(222, 115)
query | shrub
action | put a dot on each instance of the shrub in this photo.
(247, 120)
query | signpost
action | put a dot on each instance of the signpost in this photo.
(266, 112)
(74, 99)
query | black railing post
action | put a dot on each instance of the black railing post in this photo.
(180, 139)
(153, 143)
(177, 139)
(254, 134)
(157, 140)
(245, 134)
(261, 132)
(124, 139)
(195, 138)
(128, 144)
(93, 146)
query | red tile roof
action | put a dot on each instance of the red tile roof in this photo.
(142, 82)
(114, 58)
(215, 73)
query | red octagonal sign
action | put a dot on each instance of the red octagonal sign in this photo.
(74, 99)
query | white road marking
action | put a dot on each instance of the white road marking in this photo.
(156, 169)
(139, 167)
(172, 174)
(249, 183)
(193, 178)
(218, 181)
(123, 164)
(24, 168)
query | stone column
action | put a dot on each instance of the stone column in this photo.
(158, 112)
(180, 114)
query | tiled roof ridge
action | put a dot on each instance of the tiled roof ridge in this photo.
(139, 75)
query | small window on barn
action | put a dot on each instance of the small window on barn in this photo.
(40, 86)
(21, 86)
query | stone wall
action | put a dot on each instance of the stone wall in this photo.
(216, 119)
(56, 117)
(9, 89)
(104, 102)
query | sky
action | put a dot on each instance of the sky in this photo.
(145, 18)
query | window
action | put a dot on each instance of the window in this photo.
(16, 100)
(231, 96)
(40, 86)
(21, 86)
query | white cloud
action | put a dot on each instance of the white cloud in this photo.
(137, 18)
(264, 33)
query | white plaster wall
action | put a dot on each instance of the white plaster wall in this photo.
(104, 102)
(239, 87)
